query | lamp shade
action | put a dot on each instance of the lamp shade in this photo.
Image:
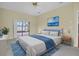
(61, 27)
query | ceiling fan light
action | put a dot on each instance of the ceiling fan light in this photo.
(34, 3)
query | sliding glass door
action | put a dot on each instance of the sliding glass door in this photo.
(21, 28)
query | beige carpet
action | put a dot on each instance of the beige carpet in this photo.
(67, 51)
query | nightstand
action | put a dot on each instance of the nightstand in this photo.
(66, 40)
(3, 47)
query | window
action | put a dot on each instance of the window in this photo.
(22, 28)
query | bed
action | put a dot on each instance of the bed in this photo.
(39, 44)
(34, 46)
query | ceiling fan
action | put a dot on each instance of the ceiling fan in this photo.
(34, 4)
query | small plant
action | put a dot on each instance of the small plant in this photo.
(1, 33)
(5, 30)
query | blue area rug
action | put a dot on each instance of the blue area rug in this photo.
(17, 49)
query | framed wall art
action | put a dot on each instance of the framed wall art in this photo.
(54, 21)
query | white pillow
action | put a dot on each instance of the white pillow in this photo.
(54, 33)
(45, 32)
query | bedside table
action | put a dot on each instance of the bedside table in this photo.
(66, 40)
(3, 47)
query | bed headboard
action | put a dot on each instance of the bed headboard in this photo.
(54, 32)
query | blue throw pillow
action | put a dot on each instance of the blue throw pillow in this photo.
(17, 49)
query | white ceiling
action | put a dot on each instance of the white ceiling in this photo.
(27, 7)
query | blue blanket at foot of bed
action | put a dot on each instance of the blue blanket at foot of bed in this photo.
(17, 49)
(48, 41)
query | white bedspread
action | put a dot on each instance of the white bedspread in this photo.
(33, 46)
